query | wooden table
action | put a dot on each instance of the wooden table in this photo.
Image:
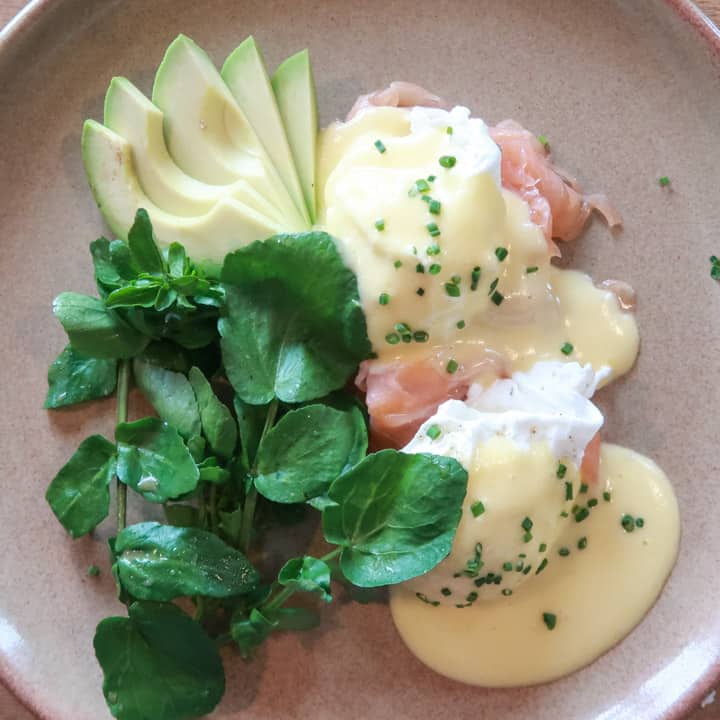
(9, 708)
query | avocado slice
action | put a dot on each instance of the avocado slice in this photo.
(207, 134)
(130, 114)
(110, 169)
(294, 88)
(245, 74)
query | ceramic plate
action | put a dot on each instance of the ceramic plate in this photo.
(626, 91)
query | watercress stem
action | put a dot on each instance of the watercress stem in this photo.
(251, 499)
(123, 385)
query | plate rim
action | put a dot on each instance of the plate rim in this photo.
(22, 26)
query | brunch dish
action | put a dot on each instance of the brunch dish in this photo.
(320, 367)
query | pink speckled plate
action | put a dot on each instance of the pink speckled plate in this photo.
(626, 90)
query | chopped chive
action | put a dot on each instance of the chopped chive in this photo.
(527, 537)
(420, 292)
(628, 523)
(583, 487)
(715, 268)
(497, 580)
(561, 470)
(402, 328)
(447, 161)
(384, 299)
(414, 250)
(420, 268)
(497, 297)
(567, 348)
(664, 181)
(434, 269)
(522, 555)
(460, 324)
(527, 569)
(532, 269)
(543, 547)
(582, 543)
(433, 432)
(392, 338)
(501, 253)
(471, 597)
(93, 571)
(433, 249)
(434, 207)
(541, 566)
(480, 582)
(568, 491)
(563, 552)
(398, 264)
(426, 198)
(493, 285)
(507, 567)
(543, 141)
(527, 524)
(420, 336)
(380, 146)
(606, 496)
(449, 130)
(431, 178)
(446, 591)
(426, 600)
(519, 567)
(475, 277)
(380, 224)
(550, 620)
(406, 338)
(422, 185)
(477, 508)
(507, 592)
(581, 514)
(490, 577)
(452, 366)
(433, 229)
(564, 514)
(452, 289)
(592, 502)
(639, 522)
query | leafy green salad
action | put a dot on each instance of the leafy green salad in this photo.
(246, 366)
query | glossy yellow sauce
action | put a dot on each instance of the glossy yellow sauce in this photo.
(539, 311)
(597, 594)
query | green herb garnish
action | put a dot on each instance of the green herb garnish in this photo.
(501, 253)
(550, 620)
(567, 348)
(452, 366)
(447, 161)
(384, 299)
(380, 146)
(477, 508)
(380, 224)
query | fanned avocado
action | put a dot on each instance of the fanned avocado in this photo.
(245, 74)
(110, 169)
(131, 115)
(294, 88)
(207, 134)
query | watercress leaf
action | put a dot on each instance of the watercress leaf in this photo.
(196, 445)
(140, 293)
(162, 562)
(107, 276)
(154, 461)
(306, 450)
(165, 299)
(181, 515)
(172, 396)
(293, 327)
(176, 260)
(306, 574)
(231, 524)
(167, 355)
(74, 378)
(251, 631)
(218, 423)
(251, 419)
(294, 618)
(216, 475)
(143, 248)
(158, 664)
(396, 515)
(193, 329)
(122, 261)
(95, 331)
(320, 502)
(78, 495)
